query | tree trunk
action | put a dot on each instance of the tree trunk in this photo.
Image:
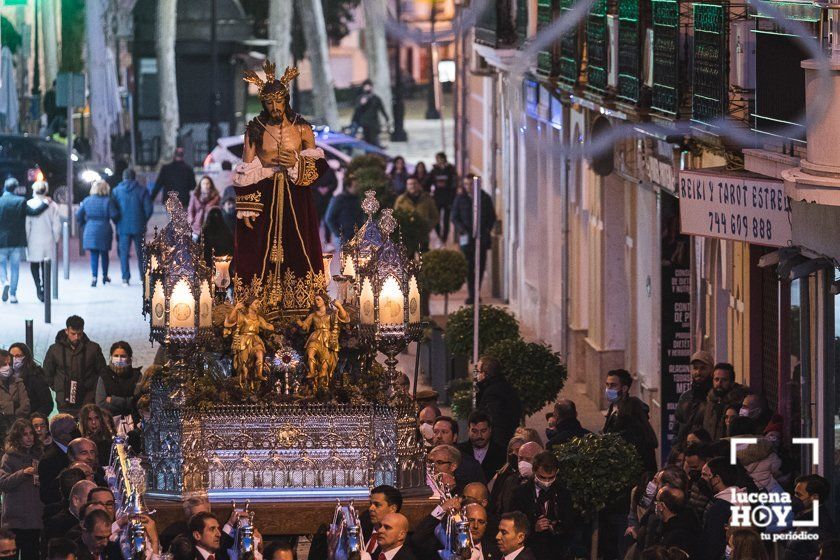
(102, 79)
(167, 83)
(376, 51)
(446, 304)
(280, 15)
(317, 48)
(50, 33)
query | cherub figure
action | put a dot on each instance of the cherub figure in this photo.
(322, 344)
(248, 347)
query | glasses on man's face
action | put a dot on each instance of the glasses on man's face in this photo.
(438, 463)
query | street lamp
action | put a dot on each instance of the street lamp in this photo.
(399, 134)
(389, 301)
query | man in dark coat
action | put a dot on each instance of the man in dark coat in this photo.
(344, 212)
(55, 459)
(135, 206)
(176, 176)
(720, 478)
(628, 417)
(13, 213)
(441, 182)
(462, 219)
(366, 114)
(692, 403)
(392, 535)
(72, 365)
(679, 526)
(548, 506)
(514, 529)
(480, 444)
(725, 392)
(813, 492)
(95, 542)
(498, 398)
(567, 425)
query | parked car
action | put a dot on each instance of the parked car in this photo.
(28, 158)
(338, 148)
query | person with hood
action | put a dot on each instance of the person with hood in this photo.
(95, 214)
(22, 507)
(135, 209)
(344, 212)
(25, 367)
(14, 402)
(759, 459)
(13, 213)
(725, 392)
(498, 398)
(72, 365)
(692, 403)
(117, 385)
(204, 197)
(42, 234)
(418, 201)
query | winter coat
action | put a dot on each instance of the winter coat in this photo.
(22, 507)
(565, 431)
(498, 398)
(689, 414)
(121, 389)
(40, 397)
(424, 206)
(462, 218)
(64, 364)
(344, 215)
(14, 403)
(95, 214)
(42, 231)
(197, 210)
(441, 181)
(761, 462)
(13, 213)
(628, 417)
(680, 531)
(716, 405)
(175, 176)
(135, 206)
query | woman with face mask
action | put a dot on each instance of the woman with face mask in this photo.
(14, 400)
(117, 385)
(32, 374)
(22, 507)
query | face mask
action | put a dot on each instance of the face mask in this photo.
(119, 362)
(17, 363)
(611, 395)
(525, 469)
(427, 431)
(5, 372)
(650, 489)
(773, 437)
(544, 483)
(728, 552)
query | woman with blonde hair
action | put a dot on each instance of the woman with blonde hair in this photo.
(42, 233)
(95, 214)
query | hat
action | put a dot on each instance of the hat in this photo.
(703, 356)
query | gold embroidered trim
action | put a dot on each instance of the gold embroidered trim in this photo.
(249, 206)
(307, 172)
(253, 197)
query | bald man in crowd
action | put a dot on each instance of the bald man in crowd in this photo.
(392, 535)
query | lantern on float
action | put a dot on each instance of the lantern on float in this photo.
(357, 251)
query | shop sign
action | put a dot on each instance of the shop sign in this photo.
(741, 207)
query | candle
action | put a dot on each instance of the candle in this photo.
(349, 270)
(391, 303)
(181, 306)
(222, 265)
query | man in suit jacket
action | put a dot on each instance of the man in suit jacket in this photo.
(392, 534)
(384, 499)
(55, 460)
(548, 506)
(481, 446)
(192, 506)
(95, 542)
(207, 537)
(513, 530)
(469, 470)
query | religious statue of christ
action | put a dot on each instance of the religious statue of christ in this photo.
(277, 224)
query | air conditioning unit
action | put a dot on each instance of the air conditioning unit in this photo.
(742, 54)
(612, 33)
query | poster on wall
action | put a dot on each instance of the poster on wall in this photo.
(676, 318)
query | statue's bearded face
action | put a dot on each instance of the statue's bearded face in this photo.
(276, 107)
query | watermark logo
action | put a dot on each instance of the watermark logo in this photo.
(771, 511)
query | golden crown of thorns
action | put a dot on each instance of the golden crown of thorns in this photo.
(270, 71)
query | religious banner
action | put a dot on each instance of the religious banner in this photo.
(676, 319)
(738, 206)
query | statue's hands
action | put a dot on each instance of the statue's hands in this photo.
(286, 158)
